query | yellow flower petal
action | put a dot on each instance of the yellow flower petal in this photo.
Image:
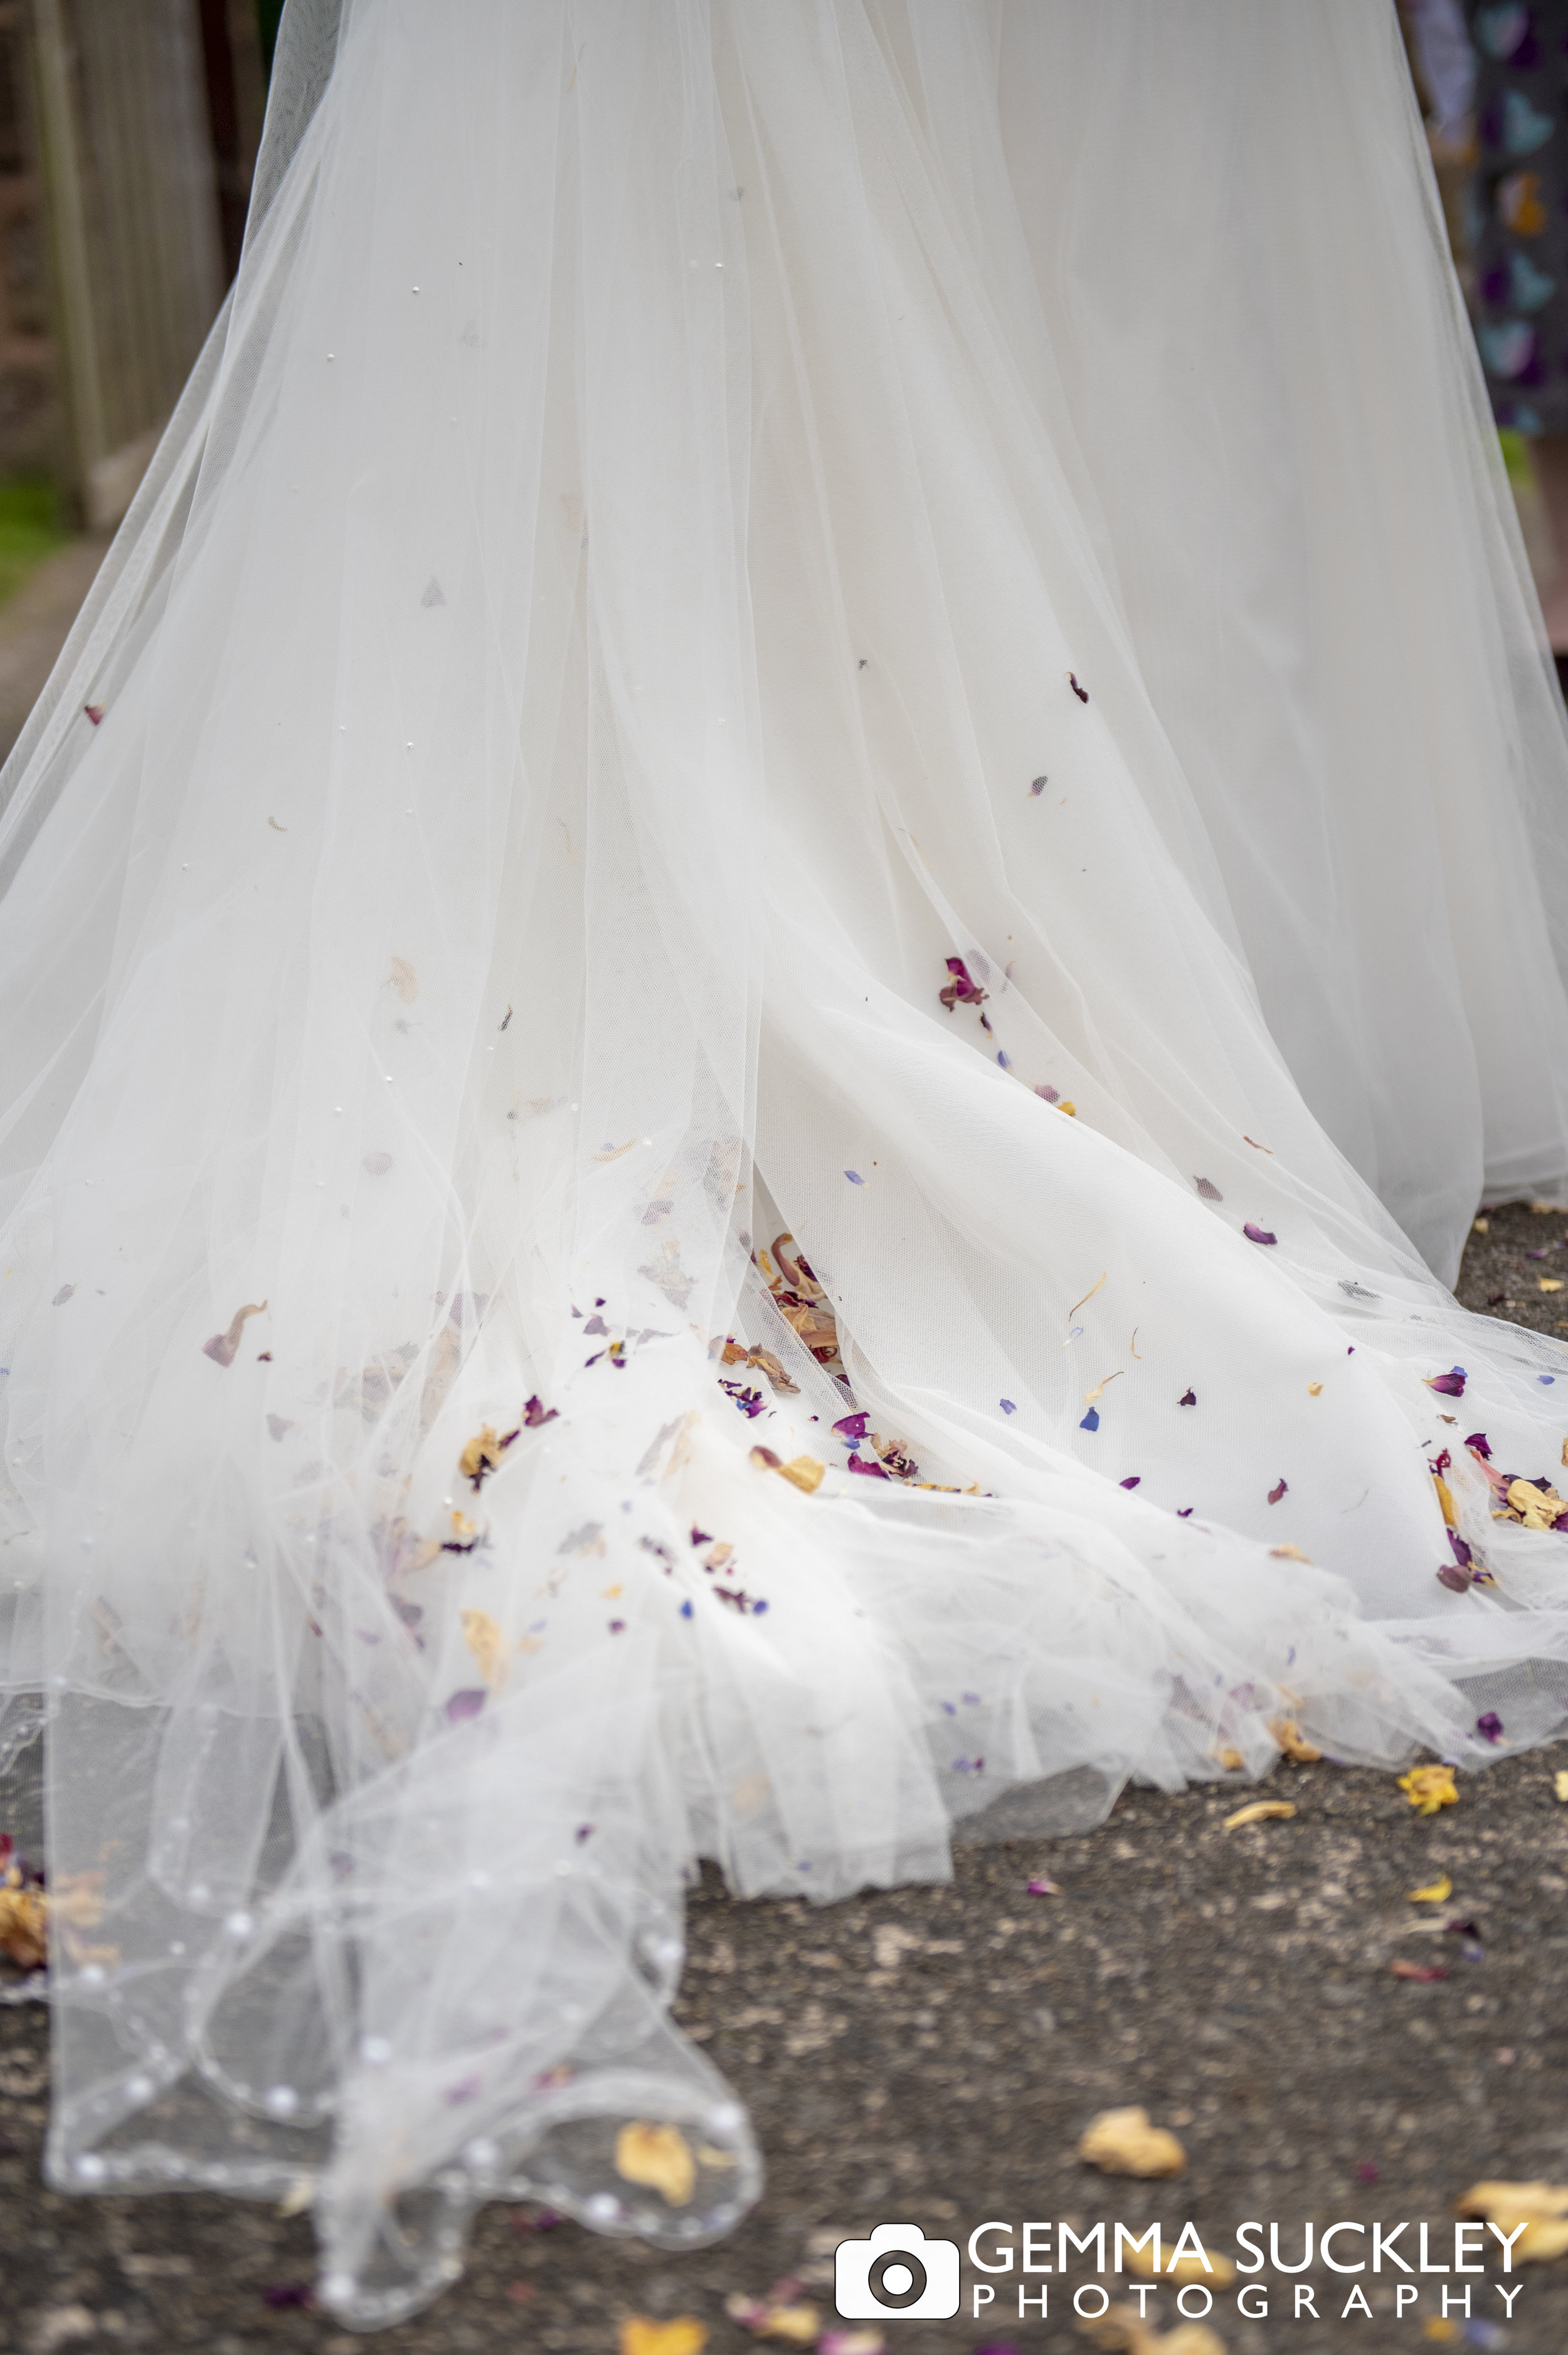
(1549, 1283)
(1314, 1389)
(1540, 2208)
(805, 1472)
(1293, 1742)
(1560, 1785)
(658, 2155)
(1262, 1811)
(1438, 1894)
(482, 1455)
(1427, 1788)
(488, 1645)
(1122, 2142)
(640, 2335)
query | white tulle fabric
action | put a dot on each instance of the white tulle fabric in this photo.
(696, 517)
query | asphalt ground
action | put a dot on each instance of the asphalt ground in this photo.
(930, 2056)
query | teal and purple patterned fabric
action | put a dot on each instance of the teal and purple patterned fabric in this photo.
(1520, 210)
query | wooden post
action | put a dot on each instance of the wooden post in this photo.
(60, 170)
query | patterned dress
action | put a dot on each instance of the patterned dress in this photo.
(1518, 220)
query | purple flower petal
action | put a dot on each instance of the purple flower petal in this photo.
(1038, 785)
(279, 2294)
(1477, 1441)
(1278, 1491)
(852, 1426)
(1091, 1422)
(1455, 1579)
(1490, 1726)
(1462, 1554)
(1208, 1189)
(1188, 1398)
(1133, 1482)
(960, 989)
(868, 1465)
(1449, 1385)
(1050, 1094)
(1007, 1406)
(1258, 1234)
(465, 1704)
(854, 1176)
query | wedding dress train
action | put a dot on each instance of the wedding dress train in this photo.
(786, 657)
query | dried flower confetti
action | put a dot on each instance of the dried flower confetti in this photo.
(640, 2335)
(1038, 785)
(482, 1455)
(1449, 1385)
(465, 1704)
(222, 1345)
(1258, 1234)
(1087, 1298)
(1424, 1974)
(23, 1919)
(660, 2156)
(1188, 1398)
(1490, 1726)
(1293, 1742)
(1081, 692)
(1208, 1189)
(1123, 2141)
(485, 1641)
(536, 1412)
(1540, 2208)
(803, 1472)
(1560, 1787)
(1261, 1811)
(1041, 1887)
(959, 989)
(1427, 1788)
(1436, 1893)
(1279, 1489)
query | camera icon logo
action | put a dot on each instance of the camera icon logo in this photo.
(897, 2275)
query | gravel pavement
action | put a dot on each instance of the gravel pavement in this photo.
(930, 2056)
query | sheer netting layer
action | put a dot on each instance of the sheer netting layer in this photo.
(655, 935)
